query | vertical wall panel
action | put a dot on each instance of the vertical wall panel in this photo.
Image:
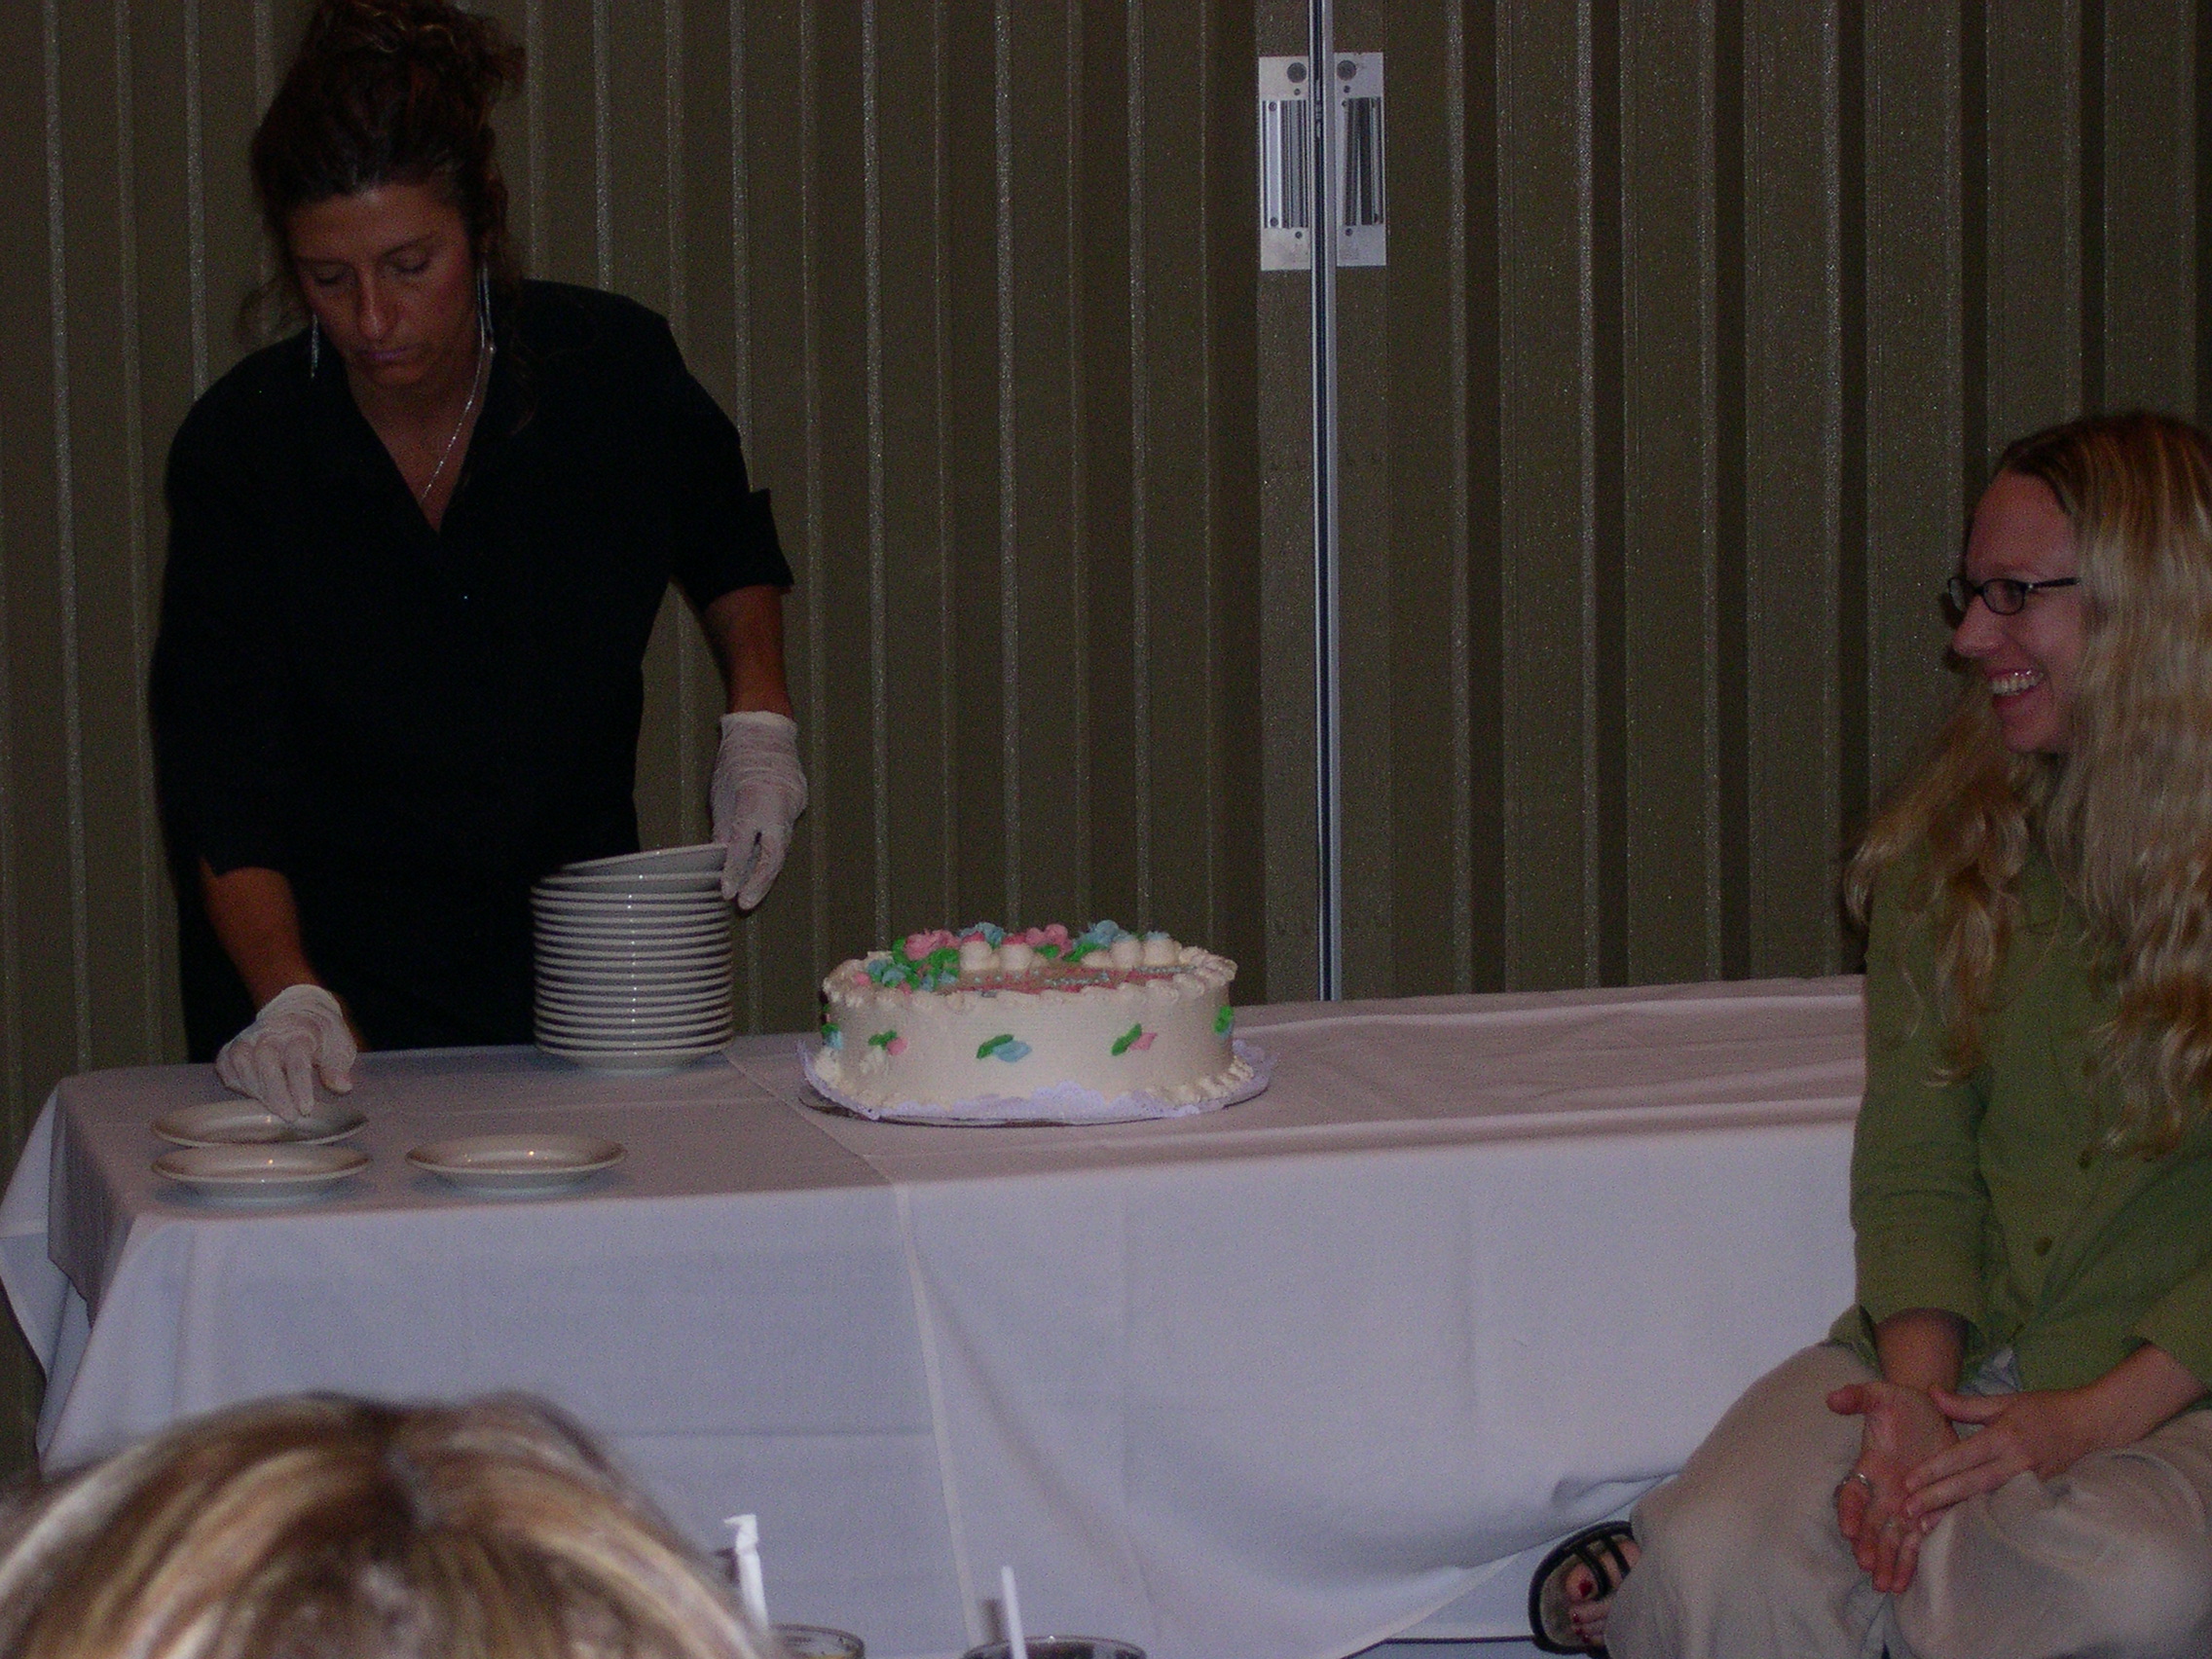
(1425, 557)
(1916, 391)
(2035, 253)
(841, 704)
(1177, 661)
(36, 944)
(2150, 203)
(1284, 464)
(1366, 623)
(1042, 664)
(1793, 459)
(1236, 894)
(1668, 317)
(911, 546)
(1545, 620)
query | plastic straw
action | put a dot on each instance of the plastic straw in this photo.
(1016, 1645)
(745, 1547)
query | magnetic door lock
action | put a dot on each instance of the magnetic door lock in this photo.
(1289, 161)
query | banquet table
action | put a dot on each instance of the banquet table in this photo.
(1277, 1382)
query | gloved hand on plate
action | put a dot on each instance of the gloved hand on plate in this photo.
(299, 1036)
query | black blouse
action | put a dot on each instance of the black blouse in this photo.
(413, 724)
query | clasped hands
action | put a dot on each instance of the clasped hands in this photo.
(1914, 1463)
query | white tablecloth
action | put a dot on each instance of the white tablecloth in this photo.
(1269, 1384)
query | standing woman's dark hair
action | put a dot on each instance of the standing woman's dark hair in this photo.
(388, 92)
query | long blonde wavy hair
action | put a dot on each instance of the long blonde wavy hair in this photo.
(2125, 814)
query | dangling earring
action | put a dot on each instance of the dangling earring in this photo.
(484, 308)
(314, 347)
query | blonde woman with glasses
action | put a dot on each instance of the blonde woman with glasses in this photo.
(2000, 1451)
(340, 1529)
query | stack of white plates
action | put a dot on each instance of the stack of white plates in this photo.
(633, 960)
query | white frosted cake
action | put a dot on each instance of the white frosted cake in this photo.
(943, 1018)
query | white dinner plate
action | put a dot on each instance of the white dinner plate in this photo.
(516, 1163)
(712, 951)
(630, 1013)
(646, 884)
(616, 1029)
(615, 1038)
(658, 958)
(263, 1172)
(633, 1033)
(631, 978)
(642, 981)
(632, 1063)
(636, 916)
(667, 1001)
(620, 1027)
(629, 941)
(629, 902)
(705, 856)
(247, 1122)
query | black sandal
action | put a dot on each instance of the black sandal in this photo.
(1597, 1548)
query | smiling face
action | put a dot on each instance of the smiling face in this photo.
(390, 277)
(2031, 661)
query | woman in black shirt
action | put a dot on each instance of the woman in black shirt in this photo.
(416, 553)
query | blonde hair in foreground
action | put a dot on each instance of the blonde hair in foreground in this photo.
(339, 1530)
(2125, 815)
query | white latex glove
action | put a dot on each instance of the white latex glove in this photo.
(757, 794)
(299, 1036)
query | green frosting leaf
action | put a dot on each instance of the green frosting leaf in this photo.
(1123, 1041)
(883, 1039)
(994, 1045)
(1225, 1021)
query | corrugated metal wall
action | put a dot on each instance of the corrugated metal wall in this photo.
(1701, 320)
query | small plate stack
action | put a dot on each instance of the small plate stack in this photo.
(633, 960)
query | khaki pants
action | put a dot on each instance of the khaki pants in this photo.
(1742, 1558)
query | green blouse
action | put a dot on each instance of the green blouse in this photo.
(1992, 1197)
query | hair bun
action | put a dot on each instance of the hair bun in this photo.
(469, 55)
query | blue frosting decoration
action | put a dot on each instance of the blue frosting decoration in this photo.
(1017, 1050)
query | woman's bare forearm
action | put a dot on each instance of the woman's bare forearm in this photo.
(1921, 1347)
(744, 630)
(258, 925)
(2142, 1392)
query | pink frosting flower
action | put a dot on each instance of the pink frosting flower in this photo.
(1056, 934)
(896, 1045)
(920, 944)
(1144, 1042)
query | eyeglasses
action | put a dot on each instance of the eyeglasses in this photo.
(2001, 594)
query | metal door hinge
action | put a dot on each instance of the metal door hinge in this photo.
(1289, 158)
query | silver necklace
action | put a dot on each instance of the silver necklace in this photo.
(484, 351)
